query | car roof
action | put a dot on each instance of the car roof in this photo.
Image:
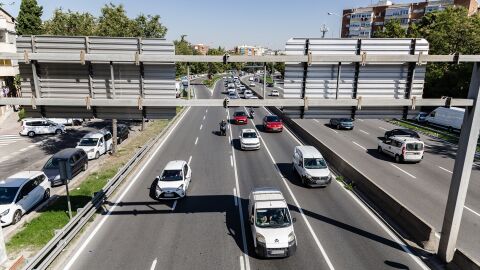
(406, 139)
(248, 130)
(175, 165)
(268, 197)
(94, 135)
(309, 151)
(19, 178)
(67, 152)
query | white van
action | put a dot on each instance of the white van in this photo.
(311, 167)
(450, 118)
(39, 126)
(96, 144)
(402, 149)
(271, 223)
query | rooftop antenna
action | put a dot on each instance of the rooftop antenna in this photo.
(324, 30)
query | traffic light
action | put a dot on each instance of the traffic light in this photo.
(225, 103)
(225, 58)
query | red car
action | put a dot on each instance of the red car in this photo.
(240, 117)
(272, 123)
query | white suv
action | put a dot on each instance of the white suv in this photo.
(249, 139)
(20, 192)
(402, 149)
(271, 223)
(38, 126)
(174, 180)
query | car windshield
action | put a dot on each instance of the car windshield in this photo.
(51, 164)
(240, 114)
(273, 118)
(272, 218)
(88, 142)
(7, 194)
(414, 147)
(171, 175)
(249, 135)
(315, 163)
(343, 120)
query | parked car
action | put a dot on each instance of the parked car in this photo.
(38, 126)
(250, 79)
(249, 139)
(272, 123)
(122, 132)
(96, 143)
(310, 165)
(233, 95)
(77, 160)
(67, 121)
(174, 180)
(271, 223)
(449, 118)
(342, 123)
(275, 93)
(402, 149)
(402, 132)
(19, 193)
(252, 84)
(420, 117)
(240, 117)
(247, 94)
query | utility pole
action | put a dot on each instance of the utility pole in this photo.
(461, 171)
(264, 80)
(114, 135)
(324, 30)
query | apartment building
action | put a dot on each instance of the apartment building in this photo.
(364, 21)
(201, 48)
(8, 68)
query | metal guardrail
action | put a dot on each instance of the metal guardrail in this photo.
(55, 246)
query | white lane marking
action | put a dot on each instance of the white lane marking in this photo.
(204, 117)
(444, 169)
(312, 232)
(364, 132)
(359, 145)
(201, 126)
(329, 128)
(361, 120)
(22, 150)
(316, 121)
(127, 189)
(206, 110)
(382, 128)
(229, 138)
(174, 205)
(240, 210)
(403, 171)
(189, 160)
(30, 146)
(471, 210)
(235, 196)
(154, 263)
(196, 141)
(231, 160)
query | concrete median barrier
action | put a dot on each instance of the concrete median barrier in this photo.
(462, 261)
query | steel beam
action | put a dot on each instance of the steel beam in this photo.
(36, 83)
(304, 77)
(461, 171)
(410, 77)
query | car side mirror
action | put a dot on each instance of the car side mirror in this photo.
(294, 220)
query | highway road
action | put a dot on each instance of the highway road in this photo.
(209, 229)
(422, 187)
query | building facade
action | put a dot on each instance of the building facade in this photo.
(251, 50)
(364, 21)
(201, 48)
(8, 68)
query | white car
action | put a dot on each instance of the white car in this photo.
(249, 139)
(96, 144)
(248, 94)
(39, 126)
(311, 167)
(20, 192)
(275, 93)
(271, 223)
(67, 121)
(252, 84)
(402, 149)
(174, 180)
(250, 79)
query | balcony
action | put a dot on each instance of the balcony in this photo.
(4, 25)
(7, 47)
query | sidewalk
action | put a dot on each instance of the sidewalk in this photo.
(9, 125)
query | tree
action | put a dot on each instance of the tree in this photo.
(29, 20)
(114, 22)
(70, 24)
(280, 67)
(148, 26)
(182, 47)
(391, 29)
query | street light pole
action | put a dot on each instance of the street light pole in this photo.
(341, 23)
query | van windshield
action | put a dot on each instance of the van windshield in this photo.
(315, 163)
(88, 142)
(272, 218)
(51, 164)
(7, 194)
(414, 147)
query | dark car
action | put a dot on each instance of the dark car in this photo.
(402, 133)
(77, 160)
(341, 123)
(272, 123)
(122, 132)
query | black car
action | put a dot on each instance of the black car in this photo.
(402, 133)
(76, 158)
(341, 123)
(122, 132)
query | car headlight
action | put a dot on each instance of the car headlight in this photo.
(291, 237)
(180, 187)
(91, 150)
(4, 213)
(159, 189)
(260, 238)
(308, 176)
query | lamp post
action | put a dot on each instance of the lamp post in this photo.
(340, 16)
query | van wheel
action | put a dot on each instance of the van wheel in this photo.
(85, 166)
(16, 217)
(398, 159)
(97, 155)
(46, 195)
(58, 131)
(380, 149)
(31, 134)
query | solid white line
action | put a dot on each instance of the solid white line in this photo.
(471, 210)
(242, 263)
(204, 117)
(3, 136)
(201, 126)
(312, 232)
(403, 171)
(231, 161)
(382, 128)
(359, 146)
(316, 121)
(364, 132)
(445, 169)
(134, 180)
(361, 120)
(206, 110)
(22, 150)
(154, 263)
(174, 205)
(189, 160)
(196, 141)
(30, 146)
(229, 138)
(235, 196)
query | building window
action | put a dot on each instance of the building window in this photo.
(404, 21)
(3, 36)
(5, 62)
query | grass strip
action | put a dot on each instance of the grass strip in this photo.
(211, 82)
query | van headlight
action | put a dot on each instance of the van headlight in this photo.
(91, 150)
(291, 237)
(4, 213)
(260, 238)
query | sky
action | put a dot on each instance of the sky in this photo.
(225, 23)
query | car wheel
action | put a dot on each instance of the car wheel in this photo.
(46, 194)
(379, 149)
(338, 126)
(16, 217)
(58, 131)
(97, 155)
(397, 159)
(85, 166)
(31, 134)
(120, 140)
